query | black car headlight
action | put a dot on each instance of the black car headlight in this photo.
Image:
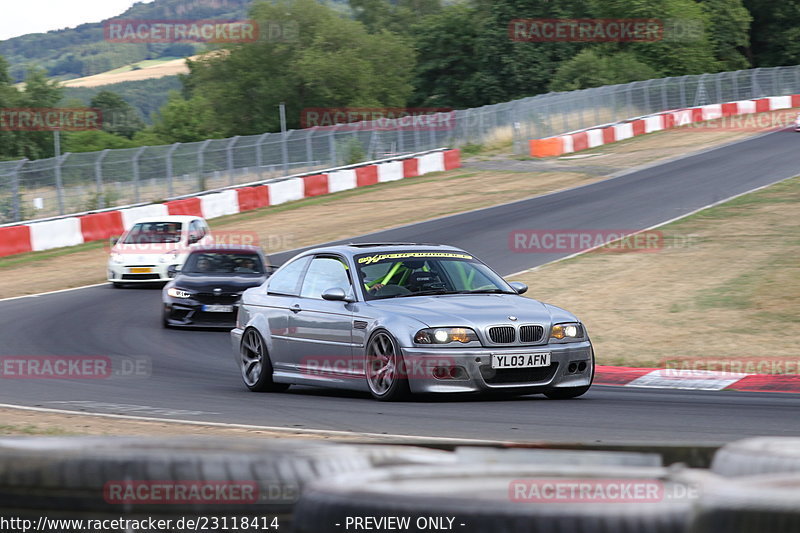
(178, 293)
(445, 336)
(567, 331)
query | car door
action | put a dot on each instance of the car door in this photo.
(322, 330)
(282, 294)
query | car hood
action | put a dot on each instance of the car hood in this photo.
(475, 310)
(228, 283)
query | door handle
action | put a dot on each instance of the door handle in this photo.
(295, 308)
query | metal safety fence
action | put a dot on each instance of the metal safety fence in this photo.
(77, 182)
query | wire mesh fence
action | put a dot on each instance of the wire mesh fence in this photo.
(77, 182)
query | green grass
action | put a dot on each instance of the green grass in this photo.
(31, 430)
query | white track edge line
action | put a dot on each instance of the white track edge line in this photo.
(670, 221)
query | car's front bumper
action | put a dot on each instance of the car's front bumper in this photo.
(191, 314)
(125, 273)
(478, 375)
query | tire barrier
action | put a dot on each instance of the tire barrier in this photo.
(110, 477)
(757, 504)
(756, 456)
(503, 497)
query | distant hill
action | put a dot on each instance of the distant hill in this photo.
(83, 51)
(146, 96)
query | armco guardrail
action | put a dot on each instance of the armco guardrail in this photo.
(610, 133)
(97, 180)
(92, 226)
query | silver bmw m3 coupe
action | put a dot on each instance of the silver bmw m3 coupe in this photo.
(396, 319)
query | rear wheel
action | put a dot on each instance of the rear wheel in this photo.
(256, 365)
(384, 367)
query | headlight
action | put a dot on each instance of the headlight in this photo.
(568, 331)
(168, 258)
(178, 293)
(445, 336)
(117, 258)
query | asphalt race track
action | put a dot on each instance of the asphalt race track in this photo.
(194, 377)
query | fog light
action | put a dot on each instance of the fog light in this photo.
(582, 366)
(572, 368)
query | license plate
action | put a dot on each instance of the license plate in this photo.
(141, 270)
(218, 308)
(521, 360)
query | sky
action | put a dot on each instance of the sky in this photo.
(38, 16)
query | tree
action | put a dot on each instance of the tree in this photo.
(184, 120)
(447, 73)
(332, 62)
(119, 117)
(775, 34)
(591, 69)
(397, 17)
(729, 32)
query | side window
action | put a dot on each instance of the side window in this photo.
(194, 231)
(287, 280)
(323, 274)
(199, 228)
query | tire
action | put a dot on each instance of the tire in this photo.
(567, 393)
(479, 498)
(749, 505)
(117, 285)
(760, 455)
(385, 374)
(75, 477)
(256, 365)
(164, 321)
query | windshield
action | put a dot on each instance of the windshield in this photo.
(394, 275)
(235, 263)
(153, 233)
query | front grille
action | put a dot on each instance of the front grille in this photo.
(531, 333)
(502, 334)
(222, 298)
(141, 276)
(505, 376)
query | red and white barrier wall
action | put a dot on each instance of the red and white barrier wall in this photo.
(591, 138)
(73, 230)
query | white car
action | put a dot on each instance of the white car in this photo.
(145, 252)
(797, 123)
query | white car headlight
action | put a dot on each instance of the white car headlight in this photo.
(178, 293)
(567, 331)
(445, 336)
(117, 258)
(168, 258)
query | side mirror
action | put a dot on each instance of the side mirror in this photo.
(335, 295)
(173, 270)
(114, 240)
(193, 239)
(518, 286)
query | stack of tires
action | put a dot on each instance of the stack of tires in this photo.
(314, 486)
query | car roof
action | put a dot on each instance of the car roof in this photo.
(352, 249)
(168, 218)
(234, 248)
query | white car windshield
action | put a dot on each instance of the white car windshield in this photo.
(154, 232)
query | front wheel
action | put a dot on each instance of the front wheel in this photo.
(255, 364)
(384, 368)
